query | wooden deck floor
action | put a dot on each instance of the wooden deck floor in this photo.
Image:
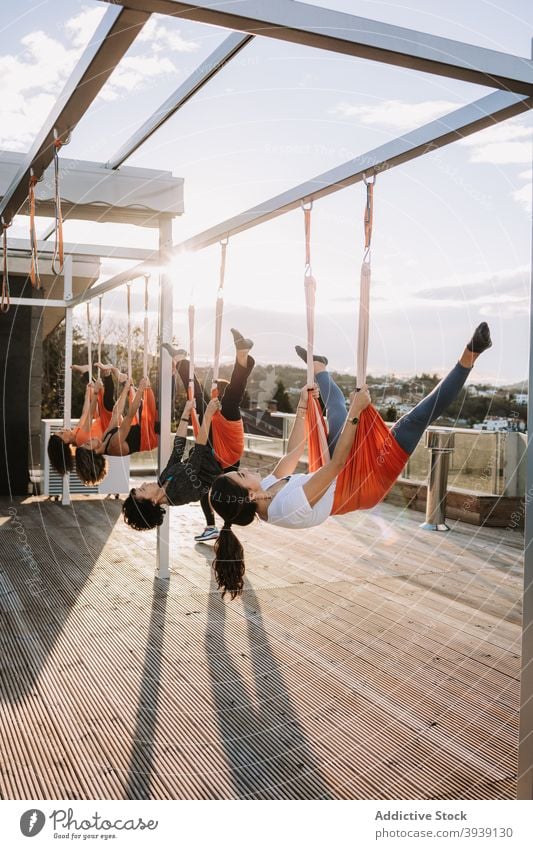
(367, 659)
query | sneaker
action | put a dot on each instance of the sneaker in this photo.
(241, 344)
(207, 534)
(481, 340)
(302, 353)
(176, 353)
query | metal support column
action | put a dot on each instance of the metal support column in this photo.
(67, 397)
(165, 381)
(525, 740)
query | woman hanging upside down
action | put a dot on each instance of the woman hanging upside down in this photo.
(124, 434)
(305, 500)
(219, 445)
(99, 398)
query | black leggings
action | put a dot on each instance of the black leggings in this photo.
(231, 400)
(109, 390)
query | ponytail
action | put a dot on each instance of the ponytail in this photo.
(231, 502)
(229, 563)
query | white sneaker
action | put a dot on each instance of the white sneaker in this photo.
(207, 533)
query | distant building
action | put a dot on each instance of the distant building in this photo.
(495, 424)
(520, 398)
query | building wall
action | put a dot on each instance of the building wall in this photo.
(15, 359)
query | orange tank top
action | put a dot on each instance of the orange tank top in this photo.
(83, 436)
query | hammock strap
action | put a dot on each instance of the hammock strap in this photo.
(145, 350)
(219, 312)
(58, 257)
(315, 425)
(89, 344)
(364, 287)
(100, 329)
(307, 226)
(4, 298)
(34, 266)
(190, 387)
(128, 297)
(369, 210)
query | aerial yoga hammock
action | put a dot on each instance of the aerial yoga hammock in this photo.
(95, 416)
(124, 433)
(376, 459)
(187, 480)
(226, 435)
(353, 464)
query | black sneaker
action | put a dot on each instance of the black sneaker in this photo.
(481, 340)
(207, 534)
(241, 344)
(302, 353)
(174, 352)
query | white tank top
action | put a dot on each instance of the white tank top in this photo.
(290, 508)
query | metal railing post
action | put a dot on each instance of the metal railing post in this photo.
(441, 444)
(165, 378)
(67, 386)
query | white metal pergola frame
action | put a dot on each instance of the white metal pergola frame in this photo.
(321, 28)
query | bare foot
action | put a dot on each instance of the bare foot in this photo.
(120, 376)
(106, 370)
(80, 369)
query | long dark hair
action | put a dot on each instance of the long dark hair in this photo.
(141, 514)
(60, 455)
(91, 468)
(232, 502)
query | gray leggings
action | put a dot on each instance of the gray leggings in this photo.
(410, 428)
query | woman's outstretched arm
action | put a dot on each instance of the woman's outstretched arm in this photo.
(133, 408)
(317, 486)
(89, 405)
(120, 403)
(203, 434)
(296, 443)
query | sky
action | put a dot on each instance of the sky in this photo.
(452, 230)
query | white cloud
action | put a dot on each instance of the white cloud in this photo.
(161, 37)
(133, 73)
(82, 27)
(33, 77)
(503, 144)
(523, 196)
(506, 132)
(397, 114)
(503, 153)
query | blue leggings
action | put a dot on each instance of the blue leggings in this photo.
(410, 428)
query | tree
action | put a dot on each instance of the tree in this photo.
(53, 386)
(280, 395)
(390, 414)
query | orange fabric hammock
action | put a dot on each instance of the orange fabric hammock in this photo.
(228, 440)
(149, 437)
(376, 458)
(375, 462)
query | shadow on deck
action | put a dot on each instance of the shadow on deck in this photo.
(366, 659)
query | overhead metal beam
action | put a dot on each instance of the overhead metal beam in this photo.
(115, 34)
(229, 48)
(39, 302)
(339, 32)
(489, 110)
(102, 251)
